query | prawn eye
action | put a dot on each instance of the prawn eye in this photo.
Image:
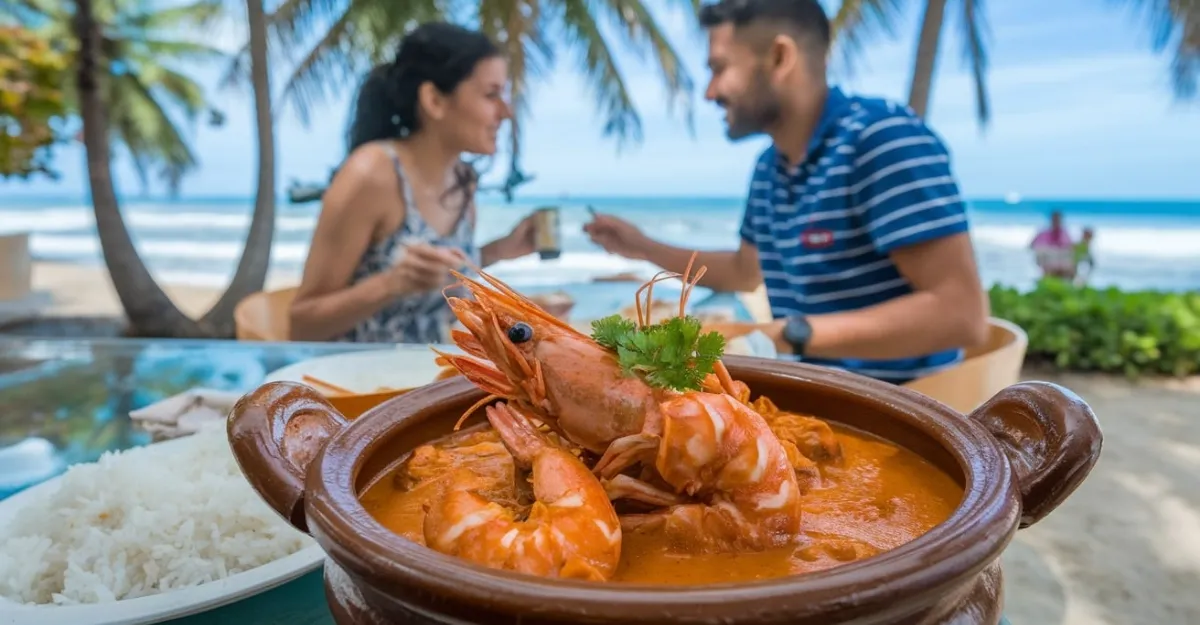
(520, 332)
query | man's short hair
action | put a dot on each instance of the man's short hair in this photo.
(804, 18)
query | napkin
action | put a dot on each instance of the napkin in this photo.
(185, 413)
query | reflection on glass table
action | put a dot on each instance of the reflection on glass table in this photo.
(68, 401)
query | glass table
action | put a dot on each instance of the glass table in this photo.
(68, 401)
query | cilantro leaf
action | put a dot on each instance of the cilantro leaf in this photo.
(612, 331)
(671, 354)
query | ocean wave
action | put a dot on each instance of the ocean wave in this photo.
(1135, 242)
(1131, 243)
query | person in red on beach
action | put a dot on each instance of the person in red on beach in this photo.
(1054, 249)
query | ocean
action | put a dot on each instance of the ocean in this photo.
(1138, 244)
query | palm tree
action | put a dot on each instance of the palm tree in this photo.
(352, 35)
(855, 17)
(143, 93)
(150, 311)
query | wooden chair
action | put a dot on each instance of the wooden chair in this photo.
(263, 316)
(983, 372)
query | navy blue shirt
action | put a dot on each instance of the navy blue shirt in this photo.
(875, 179)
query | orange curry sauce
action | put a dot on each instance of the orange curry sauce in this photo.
(878, 497)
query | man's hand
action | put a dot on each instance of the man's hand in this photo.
(617, 236)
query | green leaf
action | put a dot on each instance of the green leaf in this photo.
(1135, 333)
(612, 330)
(671, 354)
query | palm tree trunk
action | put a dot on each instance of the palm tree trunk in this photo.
(927, 50)
(252, 268)
(149, 310)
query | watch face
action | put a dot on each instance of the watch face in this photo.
(796, 331)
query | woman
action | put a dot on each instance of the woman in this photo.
(400, 212)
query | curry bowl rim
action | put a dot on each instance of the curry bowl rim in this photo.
(975, 534)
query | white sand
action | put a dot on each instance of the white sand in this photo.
(87, 291)
(1123, 550)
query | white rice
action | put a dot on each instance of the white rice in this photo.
(142, 522)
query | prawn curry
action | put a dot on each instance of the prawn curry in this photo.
(861, 495)
(632, 455)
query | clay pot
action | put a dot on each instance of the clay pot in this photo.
(1018, 456)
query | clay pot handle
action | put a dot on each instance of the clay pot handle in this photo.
(1052, 440)
(276, 431)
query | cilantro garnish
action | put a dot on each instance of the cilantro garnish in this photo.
(671, 354)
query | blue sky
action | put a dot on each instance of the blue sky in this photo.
(1081, 108)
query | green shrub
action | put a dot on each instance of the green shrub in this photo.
(1109, 330)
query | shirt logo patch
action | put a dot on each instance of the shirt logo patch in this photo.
(816, 238)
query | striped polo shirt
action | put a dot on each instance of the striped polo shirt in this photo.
(875, 179)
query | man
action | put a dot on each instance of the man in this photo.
(854, 220)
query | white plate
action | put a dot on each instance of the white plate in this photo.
(154, 608)
(407, 366)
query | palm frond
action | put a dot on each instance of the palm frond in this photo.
(199, 13)
(598, 65)
(600, 68)
(179, 90)
(294, 20)
(140, 124)
(327, 65)
(642, 31)
(857, 21)
(976, 56)
(31, 13)
(1174, 25)
(1185, 63)
(178, 50)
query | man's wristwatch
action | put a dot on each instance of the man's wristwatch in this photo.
(797, 332)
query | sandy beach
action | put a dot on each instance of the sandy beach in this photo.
(1124, 549)
(79, 290)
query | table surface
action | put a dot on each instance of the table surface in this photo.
(77, 395)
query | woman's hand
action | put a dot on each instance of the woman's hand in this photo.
(423, 268)
(515, 244)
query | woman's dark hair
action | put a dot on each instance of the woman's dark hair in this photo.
(437, 52)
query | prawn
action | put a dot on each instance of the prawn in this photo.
(719, 450)
(707, 444)
(572, 530)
